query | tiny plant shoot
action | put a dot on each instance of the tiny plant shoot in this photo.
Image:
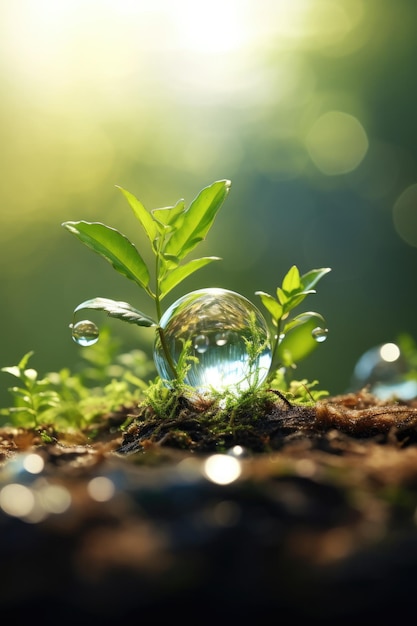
(209, 338)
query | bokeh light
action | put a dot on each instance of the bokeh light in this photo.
(337, 143)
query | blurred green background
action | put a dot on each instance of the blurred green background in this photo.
(309, 108)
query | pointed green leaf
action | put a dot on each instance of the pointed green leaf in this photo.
(168, 215)
(25, 359)
(282, 296)
(114, 247)
(310, 279)
(274, 308)
(120, 310)
(141, 213)
(197, 220)
(291, 280)
(296, 299)
(177, 275)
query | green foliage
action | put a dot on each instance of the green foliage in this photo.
(72, 401)
(33, 397)
(293, 338)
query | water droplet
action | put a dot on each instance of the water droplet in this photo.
(225, 325)
(201, 344)
(85, 333)
(319, 334)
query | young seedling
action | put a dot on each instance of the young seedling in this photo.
(173, 233)
(294, 339)
(33, 396)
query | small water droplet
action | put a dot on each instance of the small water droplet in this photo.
(201, 343)
(85, 333)
(319, 334)
(218, 323)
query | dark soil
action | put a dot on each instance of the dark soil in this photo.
(319, 526)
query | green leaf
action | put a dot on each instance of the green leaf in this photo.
(282, 296)
(120, 310)
(296, 299)
(114, 247)
(177, 275)
(13, 370)
(169, 261)
(291, 280)
(197, 219)
(25, 359)
(168, 215)
(141, 213)
(311, 278)
(274, 308)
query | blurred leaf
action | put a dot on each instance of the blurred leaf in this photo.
(114, 247)
(274, 308)
(298, 341)
(311, 278)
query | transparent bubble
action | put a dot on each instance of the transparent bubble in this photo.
(228, 339)
(85, 333)
(383, 370)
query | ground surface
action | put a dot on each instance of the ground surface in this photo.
(320, 524)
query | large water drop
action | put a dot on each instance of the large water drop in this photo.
(85, 333)
(228, 338)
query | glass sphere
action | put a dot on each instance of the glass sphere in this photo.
(226, 338)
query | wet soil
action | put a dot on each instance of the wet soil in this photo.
(320, 524)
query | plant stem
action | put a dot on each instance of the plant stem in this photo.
(161, 333)
(167, 352)
(274, 366)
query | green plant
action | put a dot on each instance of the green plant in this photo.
(107, 382)
(33, 397)
(173, 233)
(294, 338)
